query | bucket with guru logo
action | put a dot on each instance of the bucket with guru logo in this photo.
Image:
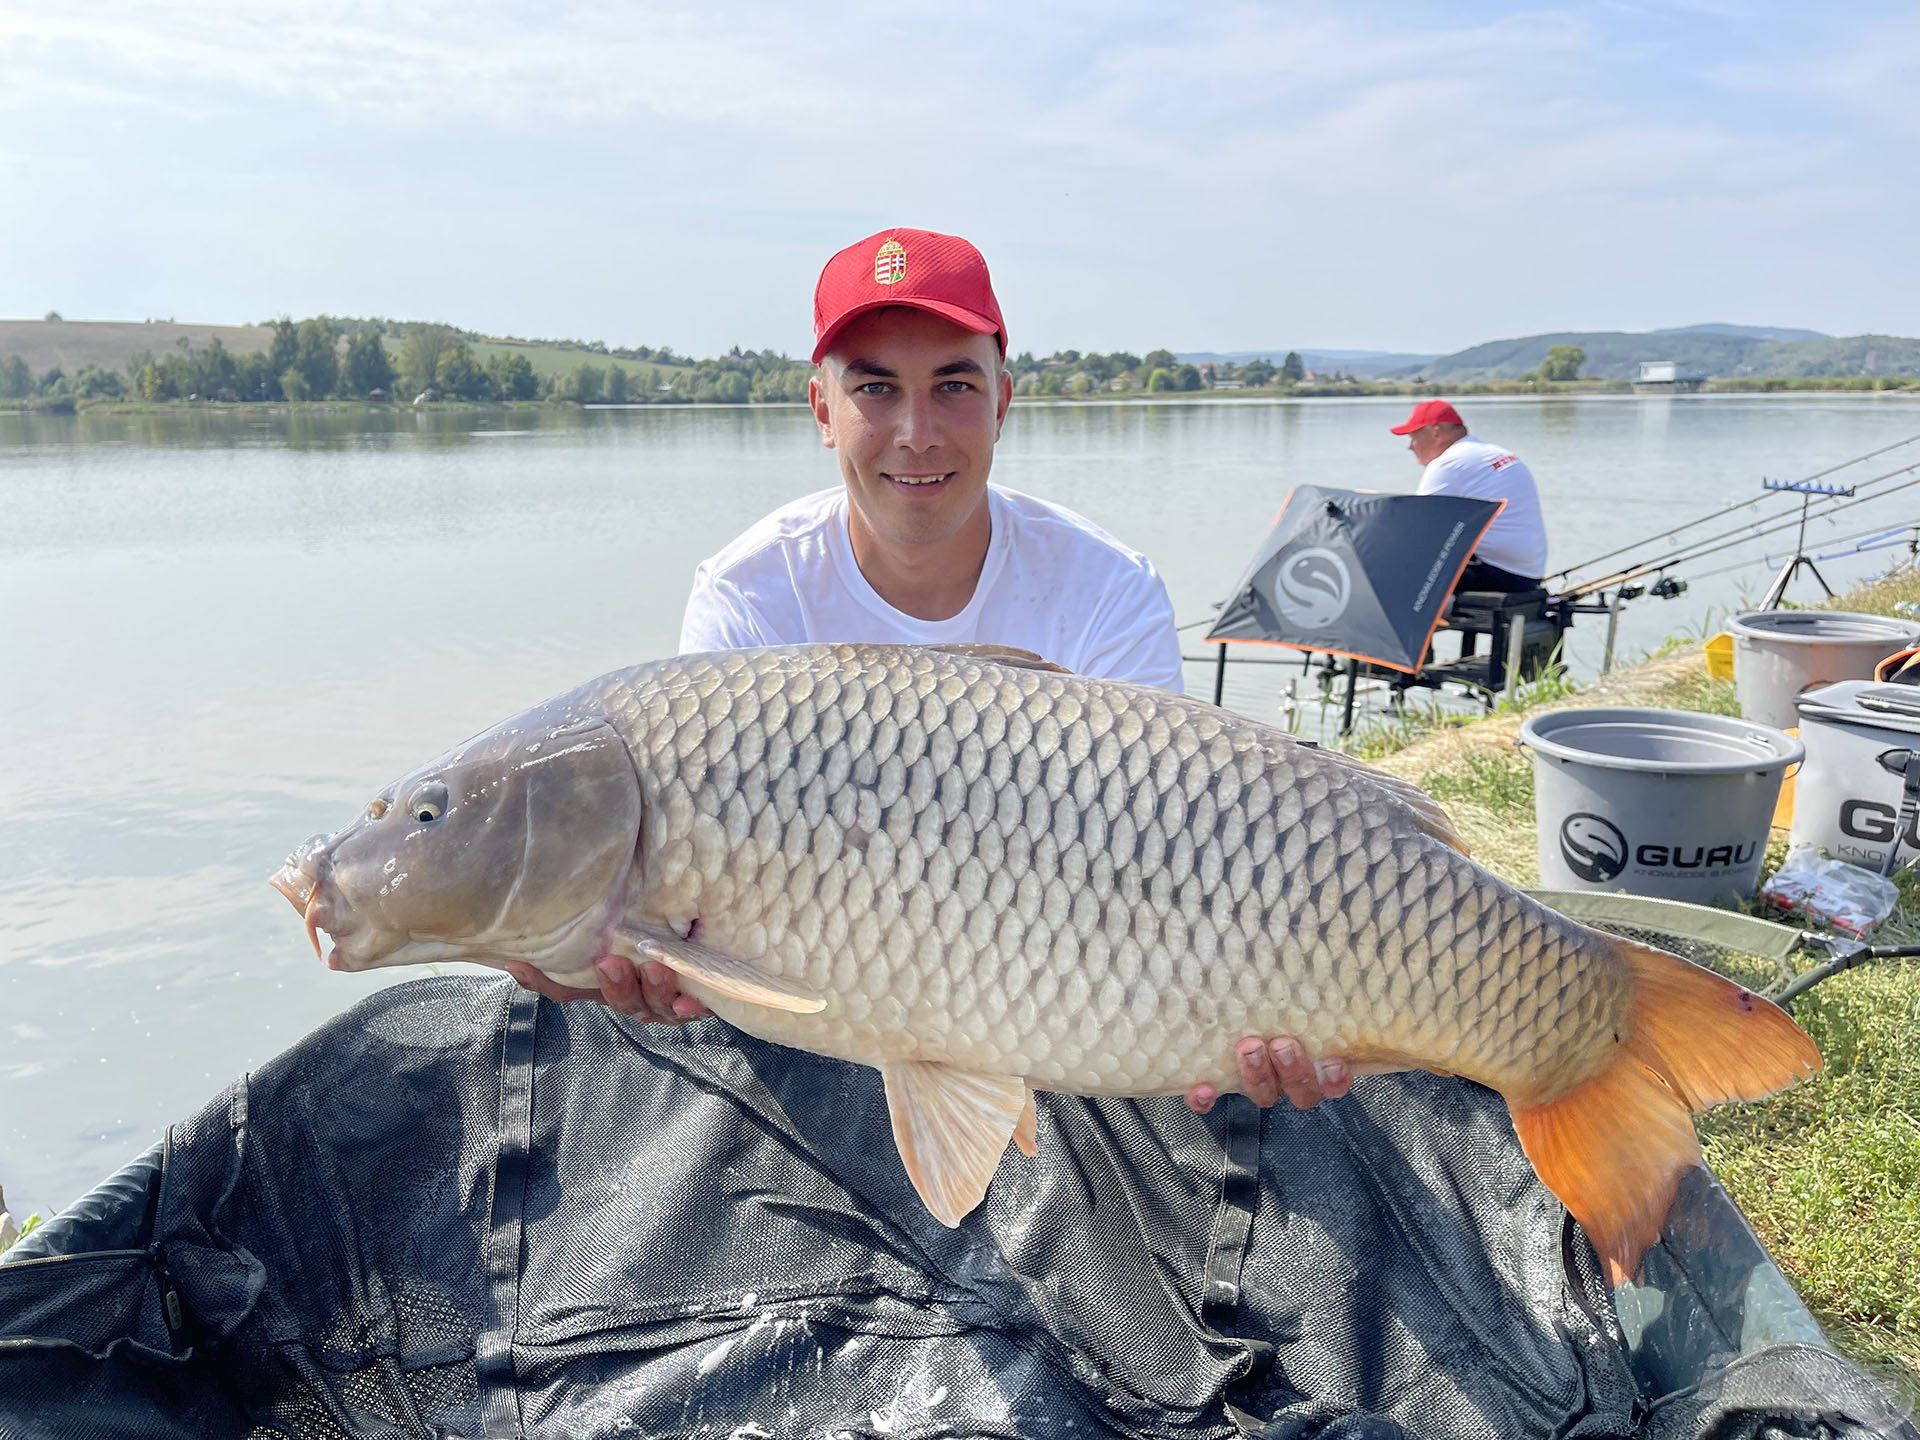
(1666, 803)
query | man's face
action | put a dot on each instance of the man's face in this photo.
(1429, 440)
(912, 404)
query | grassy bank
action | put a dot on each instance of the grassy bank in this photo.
(1829, 1172)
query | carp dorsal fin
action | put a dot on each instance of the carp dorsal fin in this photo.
(951, 1127)
(725, 974)
(1002, 655)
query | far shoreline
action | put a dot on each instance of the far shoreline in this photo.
(1907, 387)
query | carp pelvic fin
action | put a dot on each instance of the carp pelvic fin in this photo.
(951, 1127)
(726, 974)
(1003, 655)
(1026, 1134)
(1614, 1147)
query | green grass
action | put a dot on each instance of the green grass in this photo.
(1829, 1172)
(1498, 782)
(1702, 693)
(1529, 695)
(1381, 735)
(27, 1227)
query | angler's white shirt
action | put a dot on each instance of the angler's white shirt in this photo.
(1517, 539)
(1053, 583)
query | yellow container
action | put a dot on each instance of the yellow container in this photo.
(1783, 807)
(1720, 656)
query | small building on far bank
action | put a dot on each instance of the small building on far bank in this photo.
(1663, 377)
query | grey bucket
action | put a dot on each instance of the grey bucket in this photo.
(1846, 799)
(1777, 654)
(1666, 803)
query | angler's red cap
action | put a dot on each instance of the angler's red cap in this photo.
(939, 273)
(1430, 412)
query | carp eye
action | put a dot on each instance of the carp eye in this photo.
(429, 802)
(376, 808)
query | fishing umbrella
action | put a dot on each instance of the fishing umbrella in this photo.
(1356, 574)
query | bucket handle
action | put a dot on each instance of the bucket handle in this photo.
(1890, 705)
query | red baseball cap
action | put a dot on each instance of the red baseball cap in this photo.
(1429, 412)
(942, 274)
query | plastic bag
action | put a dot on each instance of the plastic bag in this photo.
(1850, 898)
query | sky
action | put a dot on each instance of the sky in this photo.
(1393, 176)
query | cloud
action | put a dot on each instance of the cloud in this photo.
(1579, 164)
(1871, 76)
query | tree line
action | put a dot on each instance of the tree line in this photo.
(1069, 372)
(344, 358)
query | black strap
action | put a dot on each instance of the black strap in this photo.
(1905, 763)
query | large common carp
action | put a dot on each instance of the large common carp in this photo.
(984, 875)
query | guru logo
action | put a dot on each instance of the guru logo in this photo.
(1312, 588)
(1593, 847)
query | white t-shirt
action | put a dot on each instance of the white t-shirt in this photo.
(1053, 583)
(1517, 539)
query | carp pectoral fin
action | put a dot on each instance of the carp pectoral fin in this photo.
(1002, 655)
(1027, 1133)
(951, 1127)
(726, 974)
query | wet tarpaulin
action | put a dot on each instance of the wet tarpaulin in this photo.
(1349, 573)
(458, 1210)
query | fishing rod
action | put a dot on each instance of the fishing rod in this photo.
(1728, 510)
(1889, 535)
(1694, 549)
(1739, 535)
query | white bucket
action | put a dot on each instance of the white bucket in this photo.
(1666, 803)
(1845, 800)
(1778, 654)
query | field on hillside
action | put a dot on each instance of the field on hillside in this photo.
(112, 344)
(553, 360)
(75, 344)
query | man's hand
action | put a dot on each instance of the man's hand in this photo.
(1271, 1068)
(647, 992)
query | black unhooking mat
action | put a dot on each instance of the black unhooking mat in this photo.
(457, 1210)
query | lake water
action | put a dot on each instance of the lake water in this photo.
(220, 633)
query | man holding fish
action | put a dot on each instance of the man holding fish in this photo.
(916, 548)
(984, 873)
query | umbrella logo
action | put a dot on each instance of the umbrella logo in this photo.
(1312, 588)
(1593, 847)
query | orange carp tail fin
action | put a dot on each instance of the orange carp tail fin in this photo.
(1613, 1148)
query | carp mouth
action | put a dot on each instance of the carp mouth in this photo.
(302, 890)
(303, 893)
(302, 879)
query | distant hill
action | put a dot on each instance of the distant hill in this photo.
(1710, 351)
(1363, 364)
(1745, 332)
(75, 344)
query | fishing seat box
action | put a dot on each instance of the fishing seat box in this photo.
(1493, 613)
